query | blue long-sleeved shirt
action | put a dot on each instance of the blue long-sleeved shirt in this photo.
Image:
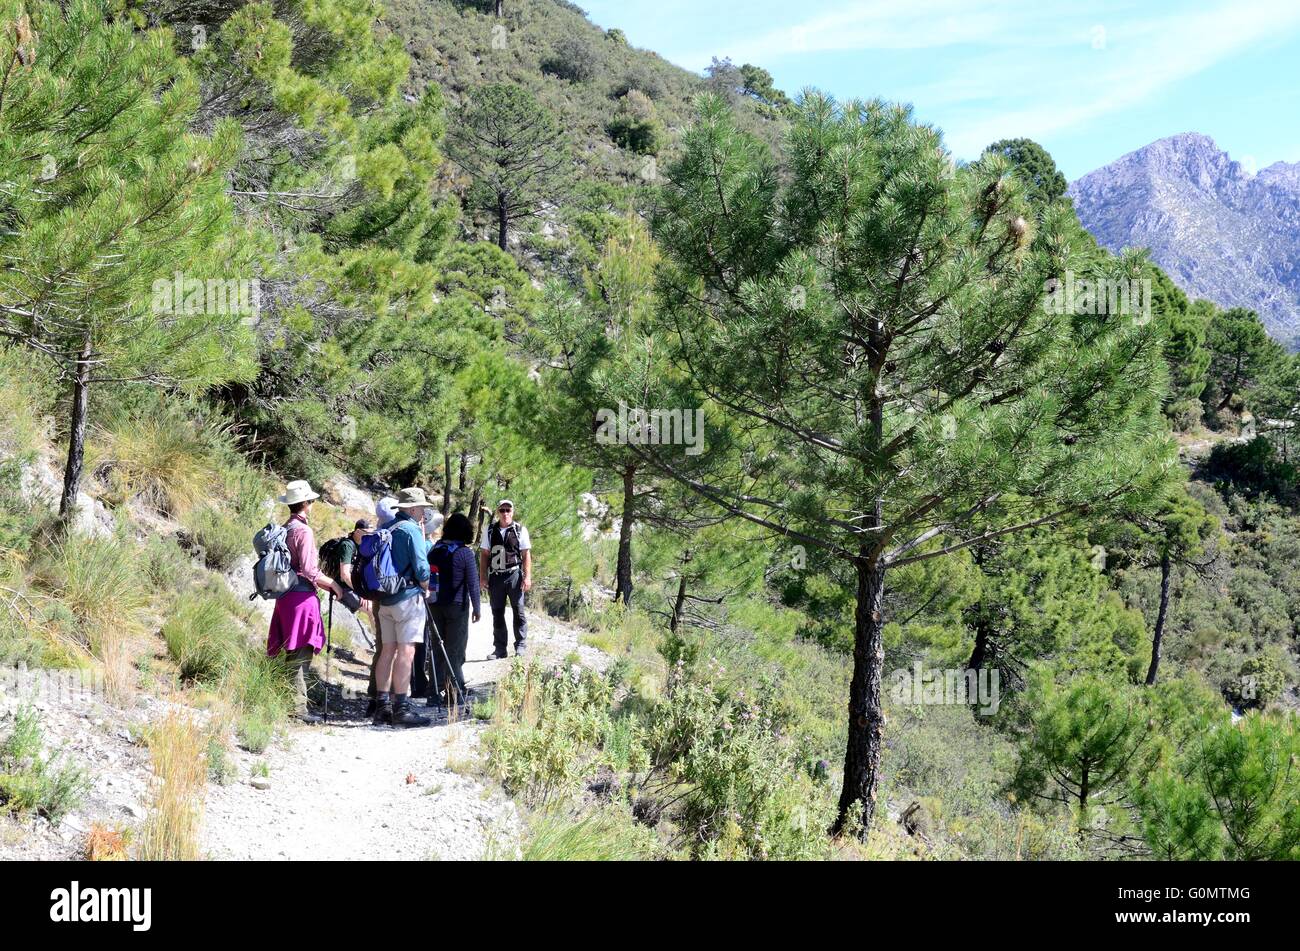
(409, 557)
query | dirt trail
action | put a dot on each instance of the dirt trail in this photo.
(348, 790)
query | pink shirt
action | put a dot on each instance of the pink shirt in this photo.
(302, 551)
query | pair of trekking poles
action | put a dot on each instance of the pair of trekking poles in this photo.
(461, 690)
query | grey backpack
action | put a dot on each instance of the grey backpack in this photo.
(273, 574)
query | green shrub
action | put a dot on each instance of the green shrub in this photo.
(164, 564)
(574, 58)
(609, 835)
(1255, 468)
(642, 136)
(548, 725)
(220, 769)
(255, 731)
(719, 762)
(202, 637)
(220, 538)
(28, 783)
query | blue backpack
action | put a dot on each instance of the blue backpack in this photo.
(378, 577)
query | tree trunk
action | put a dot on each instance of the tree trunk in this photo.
(500, 8)
(446, 483)
(475, 503)
(623, 590)
(503, 218)
(1083, 803)
(76, 435)
(866, 717)
(676, 620)
(1158, 634)
(979, 653)
(464, 470)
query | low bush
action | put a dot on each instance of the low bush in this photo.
(202, 637)
(608, 835)
(32, 782)
(99, 580)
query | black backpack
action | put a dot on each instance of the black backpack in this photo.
(330, 555)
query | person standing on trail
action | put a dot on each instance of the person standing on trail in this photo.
(421, 680)
(506, 571)
(347, 555)
(296, 627)
(402, 614)
(453, 558)
(385, 515)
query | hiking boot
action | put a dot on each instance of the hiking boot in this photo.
(521, 649)
(405, 716)
(370, 707)
(495, 656)
(306, 716)
(383, 715)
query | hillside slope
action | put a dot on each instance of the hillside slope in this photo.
(573, 66)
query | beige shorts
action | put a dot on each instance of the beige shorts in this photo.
(403, 622)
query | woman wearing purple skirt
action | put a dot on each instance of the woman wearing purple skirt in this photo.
(296, 626)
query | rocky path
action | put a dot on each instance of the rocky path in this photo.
(349, 790)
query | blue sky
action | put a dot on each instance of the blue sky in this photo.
(1089, 80)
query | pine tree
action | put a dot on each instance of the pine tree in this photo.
(1241, 355)
(873, 322)
(1035, 165)
(1175, 533)
(117, 225)
(1233, 795)
(606, 367)
(514, 149)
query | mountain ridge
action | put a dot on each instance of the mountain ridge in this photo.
(1221, 232)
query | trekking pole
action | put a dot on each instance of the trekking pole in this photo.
(362, 628)
(329, 648)
(437, 635)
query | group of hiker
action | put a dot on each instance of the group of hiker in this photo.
(417, 579)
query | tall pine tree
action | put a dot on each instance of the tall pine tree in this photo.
(872, 322)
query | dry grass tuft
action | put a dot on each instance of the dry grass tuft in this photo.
(170, 832)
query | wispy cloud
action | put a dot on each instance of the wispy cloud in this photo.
(1130, 62)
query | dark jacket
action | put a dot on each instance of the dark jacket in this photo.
(457, 574)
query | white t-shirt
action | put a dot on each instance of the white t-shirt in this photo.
(524, 543)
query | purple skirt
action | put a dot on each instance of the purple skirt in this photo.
(296, 623)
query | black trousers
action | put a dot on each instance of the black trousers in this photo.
(452, 621)
(503, 587)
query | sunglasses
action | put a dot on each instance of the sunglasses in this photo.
(505, 508)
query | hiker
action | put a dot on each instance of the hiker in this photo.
(453, 558)
(506, 571)
(385, 515)
(421, 681)
(347, 553)
(402, 614)
(296, 626)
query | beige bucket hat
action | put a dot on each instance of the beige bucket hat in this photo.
(299, 490)
(411, 499)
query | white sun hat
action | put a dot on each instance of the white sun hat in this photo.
(299, 490)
